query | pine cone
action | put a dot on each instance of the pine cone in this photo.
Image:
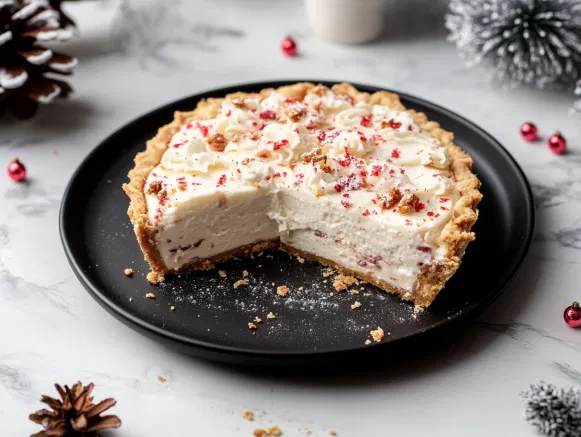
(65, 21)
(74, 415)
(25, 66)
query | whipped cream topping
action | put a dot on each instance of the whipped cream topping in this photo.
(369, 161)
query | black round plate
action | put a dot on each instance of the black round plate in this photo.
(312, 325)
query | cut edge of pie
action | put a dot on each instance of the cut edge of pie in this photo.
(454, 238)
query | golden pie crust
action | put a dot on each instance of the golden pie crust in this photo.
(454, 238)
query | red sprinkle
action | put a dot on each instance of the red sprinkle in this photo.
(394, 124)
(419, 206)
(346, 203)
(443, 199)
(365, 213)
(268, 115)
(395, 153)
(322, 135)
(376, 170)
(366, 121)
(346, 195)
(221, 181)
(430, 213)
(229, 113)
(424, 249)
(203, 129)
(320, 234)
(278, 144)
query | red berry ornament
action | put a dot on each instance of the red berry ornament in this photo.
(16, 170)
(289, 46)
(557, 143)
(529, 131)
(572, 315)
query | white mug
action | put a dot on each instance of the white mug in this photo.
(346, 21)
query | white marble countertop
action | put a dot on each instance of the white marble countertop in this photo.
(136, 57)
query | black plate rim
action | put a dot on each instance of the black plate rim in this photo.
(143, 326)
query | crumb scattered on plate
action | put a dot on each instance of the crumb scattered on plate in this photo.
(273, 431)
(328, 272)
(128, 272)
(150, 296)
(270, 315)
(377, 334)
(301, 260)
(343, 282)
(240, 282)
(332, 432)
(222, 273)
(248, 415)
(172, 308)
(355, 305)
(301, 288)
(258, 319)
(367, 341)
(161, 378)
(252, 325)
(245, 273)
(282, 290)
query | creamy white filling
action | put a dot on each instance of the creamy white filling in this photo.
(207, 226)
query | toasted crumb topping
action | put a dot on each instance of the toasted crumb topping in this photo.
(408, 203)
(217, 142)
(252, 325)
(155, 187)
(377, 334)
(161, 378)
(128, 272)
(282, 290)
(222, 273)
(150, 296)
(355, 305)
(240, 283)
(245, 273)
(248, 415)
(270, 315)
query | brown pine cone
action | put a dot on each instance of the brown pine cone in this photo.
(27, 69)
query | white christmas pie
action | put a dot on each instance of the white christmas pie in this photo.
(350, 179)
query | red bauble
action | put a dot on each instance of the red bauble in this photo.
(289, 46)
(572, 315)
(557, 143)
(529, 131)
(16, 170)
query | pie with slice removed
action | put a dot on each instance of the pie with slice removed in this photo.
(346, 178)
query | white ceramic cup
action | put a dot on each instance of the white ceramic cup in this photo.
(346, 21)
